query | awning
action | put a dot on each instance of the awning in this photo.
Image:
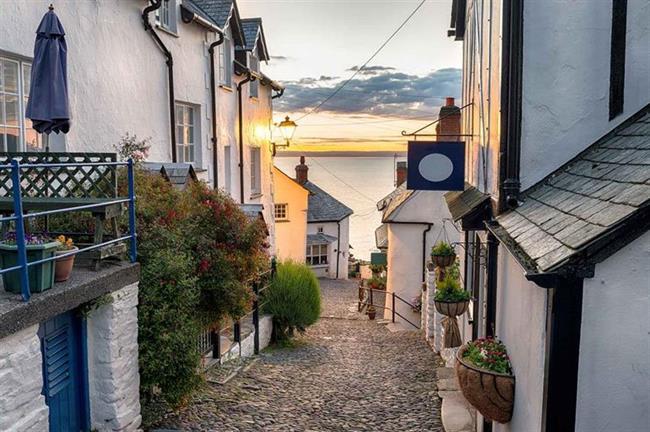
(320, 239)
(471, 207)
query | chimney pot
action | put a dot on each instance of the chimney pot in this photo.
(448, 128)
(449, 101)
(400, 173)
(302, 171)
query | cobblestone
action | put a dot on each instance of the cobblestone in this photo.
(341, 375)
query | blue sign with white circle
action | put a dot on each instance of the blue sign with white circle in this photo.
(436, 165)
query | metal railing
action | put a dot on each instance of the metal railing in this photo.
(367, 300)
(19, 217)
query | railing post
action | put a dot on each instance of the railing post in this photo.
(216, 343)
(133, 241)
(256, 317)
(237, 334)
(20, 230)
(393, 308)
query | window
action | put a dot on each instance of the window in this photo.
(226, 167)
(186, 132)
(225, 63)
(280, 212)
(255, 85)
(319, 229)
(317, 254)
(256, 171)
(166, 15)
(16, 133)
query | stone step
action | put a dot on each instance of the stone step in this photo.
(457, 414)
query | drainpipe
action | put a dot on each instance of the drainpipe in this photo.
(213, 89)
(424, 251)
(338, 247)
(249, 78)
(278, 94)
(155, 4)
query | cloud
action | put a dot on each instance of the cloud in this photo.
(387, 93)
(371, 70)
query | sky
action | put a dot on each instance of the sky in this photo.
(317, 44)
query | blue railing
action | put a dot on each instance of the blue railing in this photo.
(19, 217)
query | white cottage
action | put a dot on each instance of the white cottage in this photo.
(558, 135)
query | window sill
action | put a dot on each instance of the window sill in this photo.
(319, 266)
(226, 88)
(166, 30)
(256, 195)
(282, 220)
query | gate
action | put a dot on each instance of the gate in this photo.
(61, 347)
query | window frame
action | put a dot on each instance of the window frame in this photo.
(320, 259)
(22, 96)
(254, 63)
(281, 211)
(195, 135)
(255, 170)
(225, 63)
(168, 7)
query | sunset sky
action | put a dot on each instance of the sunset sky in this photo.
(316, 44)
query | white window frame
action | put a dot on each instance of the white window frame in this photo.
(256, 170)
(281, 211)
(255, 67)
(24, 125)
(319, 229)
(225, 63)
(188, 143)
(166, 16)
(317, 255)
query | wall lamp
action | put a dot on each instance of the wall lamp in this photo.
(287, 129)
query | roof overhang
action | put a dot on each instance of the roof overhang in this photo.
(190, 13)
(470, 206)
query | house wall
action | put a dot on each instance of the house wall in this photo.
(566, 78)
(332, 229)
(521, 325)
(613, 379)
(22, 406)
(291, 235)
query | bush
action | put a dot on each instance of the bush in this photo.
(450, 290)
(293, 299)
(442, 249)
(377, 282)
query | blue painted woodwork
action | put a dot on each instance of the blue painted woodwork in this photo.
(63, 380)
(436, 165)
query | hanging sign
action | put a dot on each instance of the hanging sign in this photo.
(436, 165)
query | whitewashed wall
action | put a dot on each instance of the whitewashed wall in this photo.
(332, 229)
(521, 325)
(566, 78)
(614, 369)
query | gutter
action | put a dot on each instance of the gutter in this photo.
(156, 4)
(249, 78)
(188, 16)
(511, 98)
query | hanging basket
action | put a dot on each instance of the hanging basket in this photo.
(451, 309)
(443, 260)
(491, 393)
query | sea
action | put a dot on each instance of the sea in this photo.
(358, 182)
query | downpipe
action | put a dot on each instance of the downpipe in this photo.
(155, 5)
(249, 78)
(424, 253)
(213, 89)
(338, 247)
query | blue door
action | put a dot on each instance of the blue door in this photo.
(62, 372)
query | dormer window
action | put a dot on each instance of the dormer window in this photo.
(255, 67)
(166, 16)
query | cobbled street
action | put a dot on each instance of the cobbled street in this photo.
(345, 374)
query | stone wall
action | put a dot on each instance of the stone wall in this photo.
(432, 319)
(248, 342)
(22, 406)
(113, 374)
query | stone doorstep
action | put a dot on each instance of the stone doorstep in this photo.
(457, 414)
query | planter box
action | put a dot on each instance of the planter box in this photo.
(443, 260)
(41, 277)
(491, 393)
(451, 309)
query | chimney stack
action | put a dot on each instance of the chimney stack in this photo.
(301, 171)
(400, 173)
(448, 128)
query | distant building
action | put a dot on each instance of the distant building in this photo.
(290, 213)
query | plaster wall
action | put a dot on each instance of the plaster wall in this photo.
(521, 325)
(566, 76)
(117, 76)
(614, 370)
(22, 406)
(113, 372)
(290, 234)
(331, 228)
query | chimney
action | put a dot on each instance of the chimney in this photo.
(448, 128)
(400, 173)
(301, 171)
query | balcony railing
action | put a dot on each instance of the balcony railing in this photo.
(50, 175)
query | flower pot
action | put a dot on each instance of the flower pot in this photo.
(443, 260)
(491, 393)
(372, 314)
(451, 309)
(63, 266)
(41, 276)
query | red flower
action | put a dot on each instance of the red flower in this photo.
(204, 266)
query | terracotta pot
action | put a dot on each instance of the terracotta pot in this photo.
(451, 309)
(443, 260)
(371, 315)
(63, 266)
(491, 393)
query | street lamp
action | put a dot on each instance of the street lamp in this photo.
(287, 129)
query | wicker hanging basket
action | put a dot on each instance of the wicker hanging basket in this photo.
(443, 260)
(451, 309)
(491, 393)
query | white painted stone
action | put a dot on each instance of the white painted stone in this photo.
(114, 378)
(22, 406)
(266, 330)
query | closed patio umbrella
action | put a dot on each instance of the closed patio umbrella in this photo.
(48, 94)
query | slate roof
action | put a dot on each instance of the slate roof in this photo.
(462, 203)
(381, 236)
(193, 7)
(323, 207)
(254, 35)
(383, 203)
(567, 216)
(178, 174)
(217, 10)
(320, 238)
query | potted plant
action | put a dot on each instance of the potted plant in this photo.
(377, 283)
(41, 276)
(416, 304)
(377, 269)
(63, 266)
(451, 299)
(486, 379)
(443, 254)
(372, 312)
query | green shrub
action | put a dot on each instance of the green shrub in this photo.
(376, 282)
(293, 299)
(442, 249)
(450, 290)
